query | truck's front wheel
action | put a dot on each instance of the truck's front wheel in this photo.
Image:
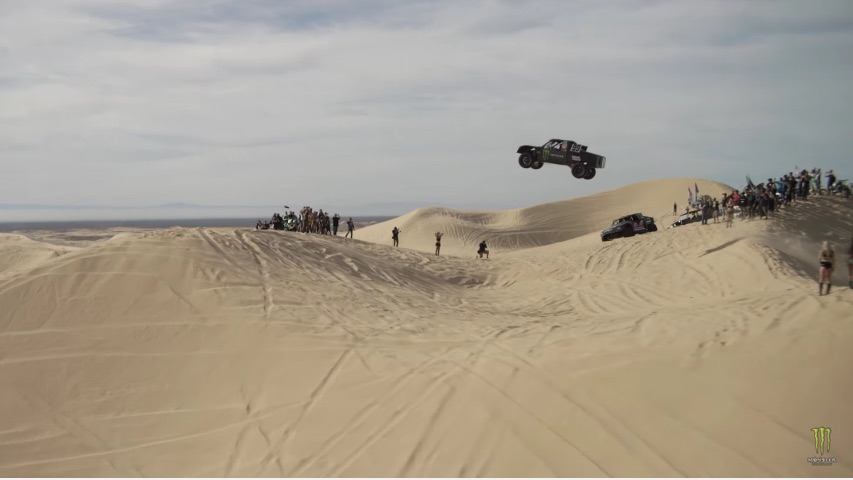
(590, 172)
(525, 160)
(537, 165)
(578, 170)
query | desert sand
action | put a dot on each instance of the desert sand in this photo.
(691, 351)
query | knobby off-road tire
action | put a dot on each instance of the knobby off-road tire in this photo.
(525, 160)
(590, 173)
(537, 165)
(578, 170)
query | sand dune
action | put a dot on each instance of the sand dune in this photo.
(694, 351)
(537, 225)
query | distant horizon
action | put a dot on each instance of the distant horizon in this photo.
(155, 223)
(175, 211)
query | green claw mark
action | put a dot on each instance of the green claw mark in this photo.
(816, 440)
(822, 439)
(828, 435)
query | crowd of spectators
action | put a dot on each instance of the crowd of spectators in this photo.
(764, 199)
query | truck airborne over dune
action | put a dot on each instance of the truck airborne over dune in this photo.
(561, 152)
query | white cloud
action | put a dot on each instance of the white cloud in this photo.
(260, 101)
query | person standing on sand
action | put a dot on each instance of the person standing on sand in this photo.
(715, 209)
(438, 236)
(850, 263)
(675, 209)
(826, 259)
(395, 235)
(730, 214)
(350, 228)
(335, 221)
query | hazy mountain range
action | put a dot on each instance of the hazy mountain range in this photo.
(15, 212)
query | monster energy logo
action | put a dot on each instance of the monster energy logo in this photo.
(822, 439)
(545, 154)
(822, 445)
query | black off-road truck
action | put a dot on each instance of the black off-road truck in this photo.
(561, 152)
(627, 226)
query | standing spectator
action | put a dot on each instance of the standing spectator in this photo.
(438, 236)
(850, 264)
(395, 235)
(335, 221)
(350, 228)
(716, 210)
(730, 214)
(826, 259)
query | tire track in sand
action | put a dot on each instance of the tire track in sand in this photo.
(396, 418)
(365, 413)
(317, 395)
(205, 235)
(263, 269)
(599, 423)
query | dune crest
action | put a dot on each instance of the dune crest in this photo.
(694, 351)
(537, 225)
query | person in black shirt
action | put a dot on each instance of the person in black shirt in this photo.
(484, 250)
(350, 228)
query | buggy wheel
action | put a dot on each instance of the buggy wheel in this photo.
(578, 170)
(590, 172)
(525, 160)
(537, 165)
(652, 228)
(627, 232)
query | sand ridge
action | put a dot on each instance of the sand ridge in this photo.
(539, 224)
(694, 351)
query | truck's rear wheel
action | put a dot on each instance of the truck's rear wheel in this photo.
(537, 165)
(525, 160)
(578, 170)
(590, 172)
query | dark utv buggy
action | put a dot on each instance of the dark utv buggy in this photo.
(628, 225)
(561, 152)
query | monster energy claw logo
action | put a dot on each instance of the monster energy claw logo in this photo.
(822, 445)
(822, 439)
(545, 154)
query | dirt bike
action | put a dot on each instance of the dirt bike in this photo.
(840, 187)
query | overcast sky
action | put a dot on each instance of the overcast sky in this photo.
(267, 102)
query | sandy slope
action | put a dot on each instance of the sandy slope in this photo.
(698, 351)
(537, 225)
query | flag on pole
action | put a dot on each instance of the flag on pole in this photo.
(689, 197)
(697, 190)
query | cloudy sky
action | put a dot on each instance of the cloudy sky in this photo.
(313, 102)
